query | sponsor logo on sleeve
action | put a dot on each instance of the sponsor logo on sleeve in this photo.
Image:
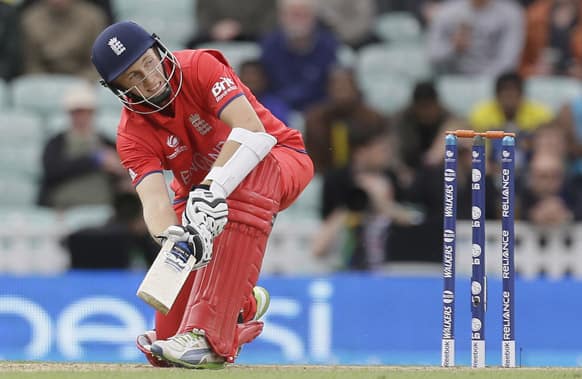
(223, 87)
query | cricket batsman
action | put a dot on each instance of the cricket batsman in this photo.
(235, 166)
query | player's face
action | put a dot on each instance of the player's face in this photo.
(145, 78)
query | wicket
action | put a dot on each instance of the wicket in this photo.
(478, 252)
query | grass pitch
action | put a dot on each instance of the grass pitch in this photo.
(42, 370)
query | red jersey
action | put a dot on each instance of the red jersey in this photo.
(187, 137)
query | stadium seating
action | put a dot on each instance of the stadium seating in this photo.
(175, 9)
(106, 123)
(24, 160)
(4, 95)
(20, 145)
(235, 52)
(346, 56)
(19, 128)
(56, 123)
(106, 100)
(86, 216)
(388, 94)
(553, 91)
(379, 60)
(17, 190)
(554, 252)
(460, 93)
(41, 93)
(399, 27)
(173, 31)
(23, 253)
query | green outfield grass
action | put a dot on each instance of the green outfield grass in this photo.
(109, 371)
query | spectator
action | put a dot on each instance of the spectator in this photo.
(227, 20)
(569, 120)
(80, 165)
(352, 21)
(421, 128)
(550, 138)
(105, 5)
(329, 124)
(511, 111)
(553, 44)
(253, 75)
(548, 199)
(476, 37)
(360, 202)
(10, 44)
(121, 243)
(526, 3)
(299, 54)
(58, 36)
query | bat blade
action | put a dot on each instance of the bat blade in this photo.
(165, 278)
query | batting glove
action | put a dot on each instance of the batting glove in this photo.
(190, 240)
(206, 208)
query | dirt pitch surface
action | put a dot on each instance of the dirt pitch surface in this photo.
(135, 371)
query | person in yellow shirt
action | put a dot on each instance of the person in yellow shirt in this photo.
(509, 110)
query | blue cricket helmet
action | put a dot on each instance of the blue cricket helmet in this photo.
(118, 47)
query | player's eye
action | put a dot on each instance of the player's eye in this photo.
(149, 63)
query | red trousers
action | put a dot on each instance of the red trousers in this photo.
(213, 297)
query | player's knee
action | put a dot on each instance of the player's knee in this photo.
(252, 209)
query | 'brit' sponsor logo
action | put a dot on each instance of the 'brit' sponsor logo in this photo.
(222, 87)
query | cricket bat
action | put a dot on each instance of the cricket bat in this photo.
(165, 278)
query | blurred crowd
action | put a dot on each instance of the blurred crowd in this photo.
(364, 80)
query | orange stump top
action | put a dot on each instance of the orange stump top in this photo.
(464, 133)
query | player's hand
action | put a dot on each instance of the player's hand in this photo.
(206, 208)
(190, 240)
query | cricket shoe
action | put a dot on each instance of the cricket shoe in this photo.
(257, 308)
(263, 300)
(144, 344)
(255, 311)
(190, 350)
